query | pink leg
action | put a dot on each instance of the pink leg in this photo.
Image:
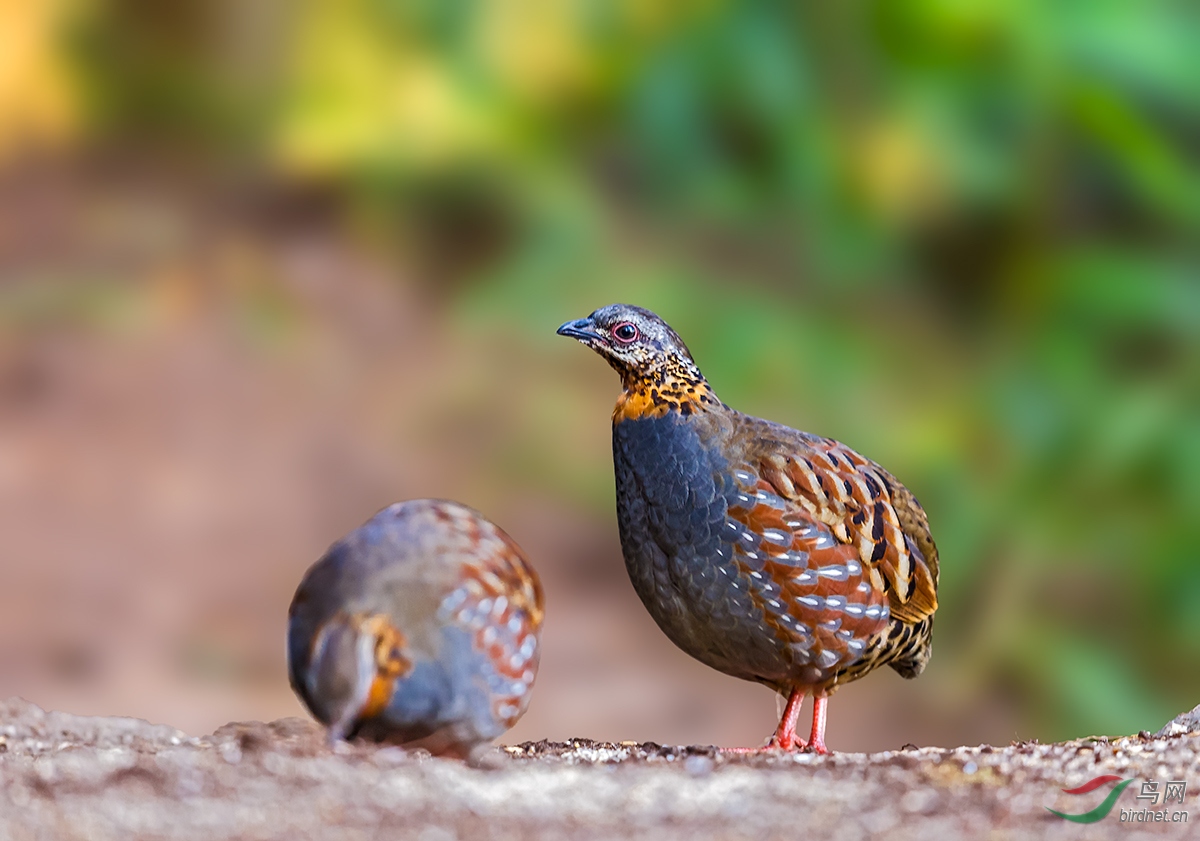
(816, 741)
(785, 733)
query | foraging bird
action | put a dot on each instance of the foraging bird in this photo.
(770, 554)
(420, 627)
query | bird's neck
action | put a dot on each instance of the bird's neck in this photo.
(683, 390)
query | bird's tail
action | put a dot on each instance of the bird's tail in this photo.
(914, 650)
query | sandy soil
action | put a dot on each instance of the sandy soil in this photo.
(66, 776)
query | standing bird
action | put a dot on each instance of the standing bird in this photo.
(770, 554)
(419, 628)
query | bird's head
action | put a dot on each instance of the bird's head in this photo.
(646, 352)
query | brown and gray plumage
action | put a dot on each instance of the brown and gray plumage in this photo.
(770, 554)
(421, 627)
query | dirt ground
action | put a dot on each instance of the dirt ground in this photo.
(75, 777)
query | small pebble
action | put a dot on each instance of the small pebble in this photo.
(698, 766)
(487, 758)
(390, 755)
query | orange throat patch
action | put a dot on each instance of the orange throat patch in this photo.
(655, 398)
(390, 664)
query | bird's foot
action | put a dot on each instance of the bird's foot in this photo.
(749, 751)
(776, 744)
(817, 745)
(785, 742)
(784, 745)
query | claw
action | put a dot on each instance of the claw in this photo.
(785, 743)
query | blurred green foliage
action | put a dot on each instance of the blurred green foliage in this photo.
(960, 236)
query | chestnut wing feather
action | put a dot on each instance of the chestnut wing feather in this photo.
(873, 517)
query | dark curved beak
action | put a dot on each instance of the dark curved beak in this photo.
(581, 329)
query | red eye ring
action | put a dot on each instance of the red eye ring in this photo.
(625, 332)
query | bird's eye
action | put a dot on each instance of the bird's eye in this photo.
(625, 332)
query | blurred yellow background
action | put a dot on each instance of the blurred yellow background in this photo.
(266, 267)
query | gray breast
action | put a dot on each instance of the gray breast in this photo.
(673, 494)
